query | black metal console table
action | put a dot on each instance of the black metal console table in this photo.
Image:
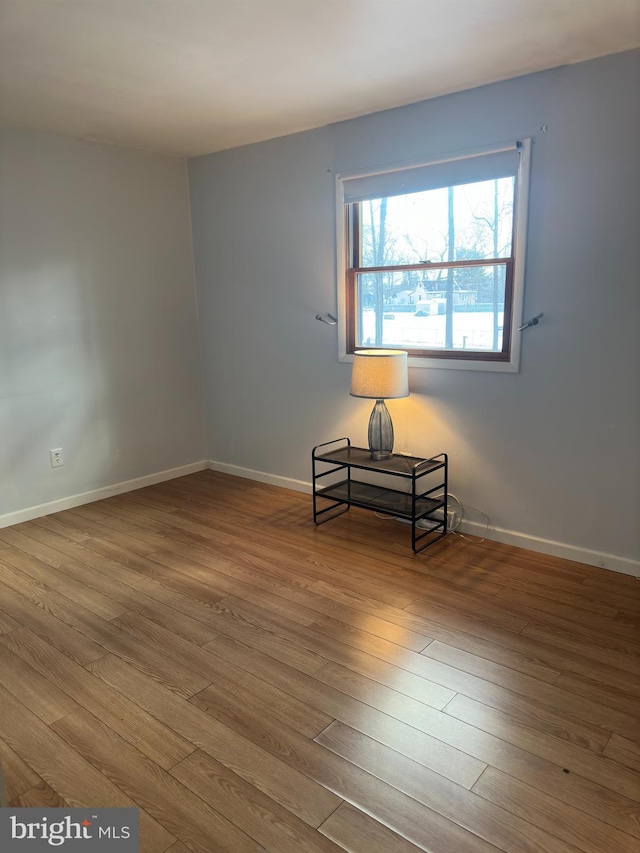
(364, 482)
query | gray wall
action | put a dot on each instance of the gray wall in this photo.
(550, 453)
(98, 329)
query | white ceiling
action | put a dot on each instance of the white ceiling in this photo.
(194, 76)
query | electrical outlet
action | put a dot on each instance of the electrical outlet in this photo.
(56, 457)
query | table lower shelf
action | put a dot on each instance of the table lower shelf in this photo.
(381, 499)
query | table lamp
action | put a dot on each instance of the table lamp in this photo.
(380, 374)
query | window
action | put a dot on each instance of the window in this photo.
(433, 256)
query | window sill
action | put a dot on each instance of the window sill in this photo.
(454, 364)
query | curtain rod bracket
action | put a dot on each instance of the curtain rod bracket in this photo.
(532, 322)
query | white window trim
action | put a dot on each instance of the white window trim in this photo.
(520, 247)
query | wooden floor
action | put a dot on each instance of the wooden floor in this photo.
(200, 650)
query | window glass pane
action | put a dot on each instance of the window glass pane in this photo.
(467, 222)
(457, 308)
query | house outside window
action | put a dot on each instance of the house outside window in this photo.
(431, 259)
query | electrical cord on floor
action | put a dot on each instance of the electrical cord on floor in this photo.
(454, 528)
(457, 520)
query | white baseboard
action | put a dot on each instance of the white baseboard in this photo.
(623, 565)
(261, 477)
(38, 511)
(509, 537)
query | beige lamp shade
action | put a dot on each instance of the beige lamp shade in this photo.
(380, 374)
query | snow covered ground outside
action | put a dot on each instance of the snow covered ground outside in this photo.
(472, 330)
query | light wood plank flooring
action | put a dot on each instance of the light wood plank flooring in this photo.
(200, 650)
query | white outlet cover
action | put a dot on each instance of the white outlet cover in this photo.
(56, 457)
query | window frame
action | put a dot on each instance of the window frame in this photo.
(507, 360)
